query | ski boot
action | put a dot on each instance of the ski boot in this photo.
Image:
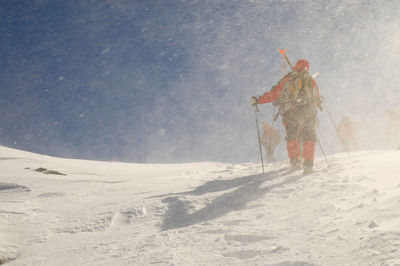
(294, 164)
(307, 167)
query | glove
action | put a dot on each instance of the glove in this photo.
(253, 100)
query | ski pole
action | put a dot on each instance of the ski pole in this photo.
(333, 123)
(322, 137)
(258, 134)
(283, 52)
(322, 149)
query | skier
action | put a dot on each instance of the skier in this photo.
(297, 96)
(393, 128)
(271, 137)
(347, 131)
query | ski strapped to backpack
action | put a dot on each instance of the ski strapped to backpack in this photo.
(283, 52)
(297, 92)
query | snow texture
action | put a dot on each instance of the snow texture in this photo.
(108, 213)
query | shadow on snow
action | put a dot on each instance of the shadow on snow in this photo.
(248, 188)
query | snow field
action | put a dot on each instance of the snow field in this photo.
(106, 213)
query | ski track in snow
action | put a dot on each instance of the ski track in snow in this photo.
(199, 214)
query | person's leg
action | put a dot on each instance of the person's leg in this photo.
(270, 156)
(268, 152)
(308, 154)
(292, 144)
(309, 138)
(274, 144)
(268, 147)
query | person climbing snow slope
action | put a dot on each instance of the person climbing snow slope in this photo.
(270, 139)
(298, 98)
(347, 131)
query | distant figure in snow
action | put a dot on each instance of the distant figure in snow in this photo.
(393, 128)
(347, 131)
(270, 139)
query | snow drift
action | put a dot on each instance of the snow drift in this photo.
(109, 213)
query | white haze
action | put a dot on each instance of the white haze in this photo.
(234, 55)
(222, 53)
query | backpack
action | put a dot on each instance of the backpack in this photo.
(297, 92)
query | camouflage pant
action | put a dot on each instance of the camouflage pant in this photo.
(300, 123)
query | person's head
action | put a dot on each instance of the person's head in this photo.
(302, 65)
(390, 113)
(265, 124)
(345, 119)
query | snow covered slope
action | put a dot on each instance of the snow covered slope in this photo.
(71, 212)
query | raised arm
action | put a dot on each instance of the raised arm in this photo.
(274, 93)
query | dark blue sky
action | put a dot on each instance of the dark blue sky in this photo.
(163, 81)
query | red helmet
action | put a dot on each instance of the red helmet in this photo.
(302, 65)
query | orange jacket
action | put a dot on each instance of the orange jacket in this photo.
(276, 91)
(347, 129)
(270, 136)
